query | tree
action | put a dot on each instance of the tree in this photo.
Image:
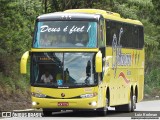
(156, 12)
(17, 21)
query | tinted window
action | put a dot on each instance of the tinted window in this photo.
(141, 37)
(135, 39)
(65, 34)
(127, 35)
(126, 40)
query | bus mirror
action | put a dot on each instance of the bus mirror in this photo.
(23, 63)
(98, 62)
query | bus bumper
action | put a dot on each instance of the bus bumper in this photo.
(65, 104)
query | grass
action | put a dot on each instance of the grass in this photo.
(14, 93)
(152, 84)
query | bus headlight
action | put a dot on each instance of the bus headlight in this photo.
(88, 95)
(38, 95)
(34, 103)
(94, 103)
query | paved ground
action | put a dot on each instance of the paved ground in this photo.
(144, 109)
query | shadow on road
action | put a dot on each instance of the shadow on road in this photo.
(110, 113)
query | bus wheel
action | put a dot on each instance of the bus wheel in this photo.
(128, 107)
(132, 104)
(47, 112)
(102, 111)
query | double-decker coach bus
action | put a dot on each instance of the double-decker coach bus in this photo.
(86, 59)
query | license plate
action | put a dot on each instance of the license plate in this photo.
(63, 104)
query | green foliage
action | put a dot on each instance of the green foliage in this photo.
(151, 45)
(10, 86)
(156, 12)
(17, 23)
(152, 83)
(135, 9)
(153, 78)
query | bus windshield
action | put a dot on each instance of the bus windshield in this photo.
(63, 69)
(65, 34)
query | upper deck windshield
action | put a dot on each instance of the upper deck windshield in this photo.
(65, 34)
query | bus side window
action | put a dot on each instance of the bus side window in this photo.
(101, 40)
(124, 36)
(141, 38)
(108, 33)
(135, 37)
(127, 36)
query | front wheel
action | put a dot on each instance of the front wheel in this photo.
(102, 111)
(47, 112)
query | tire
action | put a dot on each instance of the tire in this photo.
(103, 111)
(47, 112)
(130, 107)
(132, 103)
(119, 108)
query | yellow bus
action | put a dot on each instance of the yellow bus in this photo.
(86, 59)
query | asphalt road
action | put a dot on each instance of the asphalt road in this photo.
(145, 110)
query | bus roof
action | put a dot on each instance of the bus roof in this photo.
(68, 16)
(106, 14)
